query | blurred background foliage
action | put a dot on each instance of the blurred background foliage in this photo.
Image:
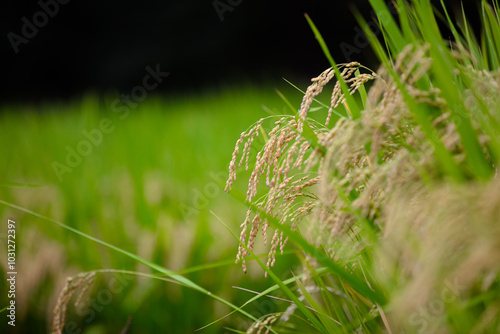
(146, 188)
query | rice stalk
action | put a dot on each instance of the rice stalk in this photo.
(375, 195)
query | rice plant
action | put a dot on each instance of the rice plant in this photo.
(392, 196)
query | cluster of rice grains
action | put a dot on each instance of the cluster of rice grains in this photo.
(349, 172)
(289, 163)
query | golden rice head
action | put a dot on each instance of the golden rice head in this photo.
(83, 281)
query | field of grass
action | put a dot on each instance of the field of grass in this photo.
(372, 208)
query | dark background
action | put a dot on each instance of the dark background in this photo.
(106, 45)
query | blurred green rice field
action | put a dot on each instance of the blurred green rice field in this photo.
(147, 186)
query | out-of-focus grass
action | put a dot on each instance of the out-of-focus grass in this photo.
(147, 187)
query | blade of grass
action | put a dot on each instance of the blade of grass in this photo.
(458, 38)
(20, 185)
(406, 18)
(472, 44)
(352, 105)
(362, 91)
(330, 324)
(234, 330)
(286, 300)
(421, 112)
(491, 35)
(445, 78)
(392, 33)
(307, 132)
(315, 100)
(219, 264)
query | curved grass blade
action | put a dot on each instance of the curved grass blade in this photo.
(330, 323)
(218, 264)
(421, 112)
(443, 67)
(392, 33)
(315, 100)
